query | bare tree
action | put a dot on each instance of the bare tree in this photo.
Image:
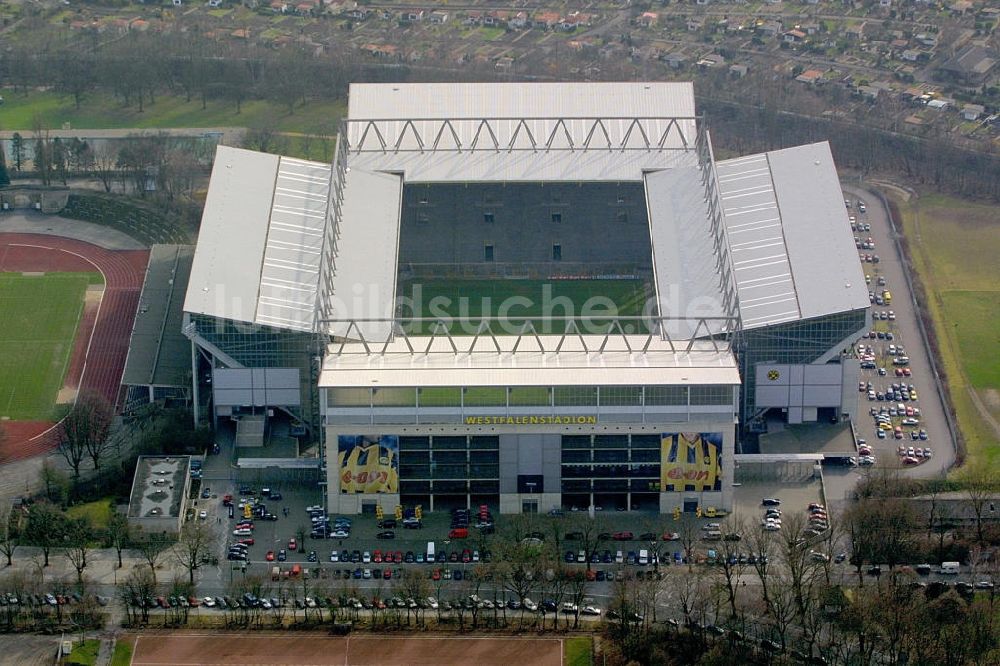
(9, 530)
(194, 543)
(134, 593)
(105, 165)
(152, 546)
(118, 533)
(84, 431)
(689, 533)
(731, 561)
(46, 527)
(980, 486)
(78, 543)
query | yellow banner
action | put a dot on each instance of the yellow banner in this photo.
(368, 463)
(530, 420)
(691, 461)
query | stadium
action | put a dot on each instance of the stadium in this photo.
(525, 295)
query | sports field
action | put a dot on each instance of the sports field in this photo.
(511, 303)
(954, 244)
(38, 321)
(361, 650)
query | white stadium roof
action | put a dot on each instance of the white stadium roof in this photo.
(258, 253)
(577, 362)
(261, 240)
(793, 253)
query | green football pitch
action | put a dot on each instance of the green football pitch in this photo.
(511, 303)
(38, 321)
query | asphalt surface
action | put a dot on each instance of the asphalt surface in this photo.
(906, 332)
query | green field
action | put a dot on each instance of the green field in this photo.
(105, 112)
(38, 320)
(511, 303)
(954, 244)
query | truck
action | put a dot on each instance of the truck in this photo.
(430, 551)
(949, 568)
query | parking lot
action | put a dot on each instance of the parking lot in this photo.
(894, 326)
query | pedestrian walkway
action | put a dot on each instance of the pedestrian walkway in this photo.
(52, 225)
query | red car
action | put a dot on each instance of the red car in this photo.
(227, 500)
(377, 556)
(623, 536)
(292, 545)
(247, 541)
(387, 574)
(270, 556)
(466, 556)
(399, 557)
(436, 575)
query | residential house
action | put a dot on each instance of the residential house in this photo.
(240, 33)
(960, 7)
(738, 71)
(857, 32)
(940, 104)
(870, 93)
(381, 50)
(473, 18)
(438, 17)
(910, 55)
(695, 24)
(971, 65)
(413, 15)
(794, 36)
(648, 19)
(769, 29)
(972, 111)
(358, 13)
(304, 8)
(930, 41)
(545, 20)
(279, 7)
(518, 21)
(810, 76)
(702, 2)
(810, 28)
(675, 60)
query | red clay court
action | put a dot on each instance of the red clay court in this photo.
(362, 650)
(101, 344)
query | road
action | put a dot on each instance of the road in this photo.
(906, 331)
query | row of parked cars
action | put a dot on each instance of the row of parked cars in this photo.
(50, 599)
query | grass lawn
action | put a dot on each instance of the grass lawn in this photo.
(577, 651)
(98, 513)
(513, 302)
(954, 244)
(122, 656)
(38, 321)
(103, 112)
(84, 653)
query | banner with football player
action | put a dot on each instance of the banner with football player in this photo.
(691, 461)
(368, 463)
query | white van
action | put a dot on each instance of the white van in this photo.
(949, 568)
(619, 557)
(430, 551)
(643, 557)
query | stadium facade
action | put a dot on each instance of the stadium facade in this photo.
(744, 290)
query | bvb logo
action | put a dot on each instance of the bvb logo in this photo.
(773, 375)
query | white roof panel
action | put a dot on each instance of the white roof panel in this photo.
(688, 283)
(520, 100)
(364, 283)
(290, 273)
(529, 366)
(790, 239)
(756, 241)
(225, 273)
(825, 265)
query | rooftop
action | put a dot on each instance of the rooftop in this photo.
(158, 488)
(792, 247)
(585, 360)
(159, 354)
(270, 213)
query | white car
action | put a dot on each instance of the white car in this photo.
(591, 610)
(366, 557)
(432, 602)
(266, 604)
(203, 515)
(334, 556)
(771, 527)
(208, 601)
(529, 605)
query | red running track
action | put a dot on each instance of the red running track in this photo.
(101, 345)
